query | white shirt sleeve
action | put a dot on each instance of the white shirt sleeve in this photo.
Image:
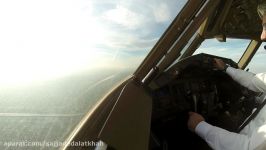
(220, 139)
(254, 82)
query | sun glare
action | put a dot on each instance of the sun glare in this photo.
(40, 40)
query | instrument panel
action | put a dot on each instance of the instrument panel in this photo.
(194, 84)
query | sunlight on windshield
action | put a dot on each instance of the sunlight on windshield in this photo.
(39, 41)
(59, 57)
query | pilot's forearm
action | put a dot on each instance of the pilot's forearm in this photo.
(220, 139)
(242, 77)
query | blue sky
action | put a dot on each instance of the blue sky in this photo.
(46, 39)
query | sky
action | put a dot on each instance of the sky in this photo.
(46, 39)
(233, 49)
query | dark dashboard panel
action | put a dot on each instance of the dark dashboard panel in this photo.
(200, 61)
(193, 84)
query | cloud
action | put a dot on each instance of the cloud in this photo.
(78, 34)
(134, 25)
(127, 42)
(125, 17)
(161, 12)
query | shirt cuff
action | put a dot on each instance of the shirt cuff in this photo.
(202, 129)
(229, 70)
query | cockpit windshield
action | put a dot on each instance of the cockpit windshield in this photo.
(232, 48)
(59, 57)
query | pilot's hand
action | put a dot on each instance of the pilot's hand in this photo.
(219, 64)
(194, 120)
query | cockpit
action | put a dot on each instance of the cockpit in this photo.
(195, 85)
(124, 73)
